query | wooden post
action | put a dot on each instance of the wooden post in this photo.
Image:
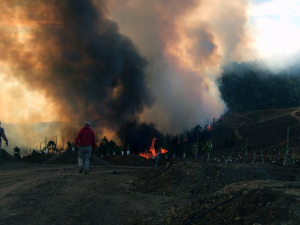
(288, 134)
(212, 131)
(56, 141)
(123, 148)
(246, 152)
(102, 150)
(196, 154)
(287, 146)
(123, 144)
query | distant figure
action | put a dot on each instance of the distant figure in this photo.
(69, 145)
(2, 135)
(156, 162)
(85, 139)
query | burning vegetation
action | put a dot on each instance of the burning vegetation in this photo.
(152, 153)
(137, 138)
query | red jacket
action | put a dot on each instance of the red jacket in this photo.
(85, 137)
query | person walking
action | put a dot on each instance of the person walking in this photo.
(85, 140)
(2, 135)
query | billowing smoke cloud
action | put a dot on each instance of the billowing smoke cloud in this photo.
(72, 53)
(185, 42)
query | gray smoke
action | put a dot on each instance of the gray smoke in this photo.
(185, 42)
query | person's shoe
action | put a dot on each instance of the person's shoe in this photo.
(86, 172)
(81, 169)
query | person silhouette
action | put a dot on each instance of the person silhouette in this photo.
(2, 136)
(85, 140)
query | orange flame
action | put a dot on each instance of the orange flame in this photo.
(152, 153)
(208, 128)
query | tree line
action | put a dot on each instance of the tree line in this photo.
(259, 91)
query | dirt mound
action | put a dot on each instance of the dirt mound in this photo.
(71, 157)
(252, 203)
(67, 157)
(130, 160)
(5, 157)
(137, 160)
(197, 179)
(39, 158)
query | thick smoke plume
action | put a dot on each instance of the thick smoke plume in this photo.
(185, 42)
(72, 64)
(70, 52)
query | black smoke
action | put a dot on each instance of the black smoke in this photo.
(109, 62)
(79, 59)
(140, 136)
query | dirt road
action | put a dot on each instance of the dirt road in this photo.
(58, 194)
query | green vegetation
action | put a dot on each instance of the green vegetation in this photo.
(17, 152)
(259, 91)
(207, 148)
(107, 148)
(51, 146)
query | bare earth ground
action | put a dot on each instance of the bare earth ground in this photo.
(58, 194)
(174, 195)
(126, 190)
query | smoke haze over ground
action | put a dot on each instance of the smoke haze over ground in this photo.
(146, 67)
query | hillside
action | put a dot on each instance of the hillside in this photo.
(262, 133)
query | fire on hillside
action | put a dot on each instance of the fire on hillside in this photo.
(152, 152)
(208, 128)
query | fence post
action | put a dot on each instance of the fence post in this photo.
(196, 154)
(287, 146)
